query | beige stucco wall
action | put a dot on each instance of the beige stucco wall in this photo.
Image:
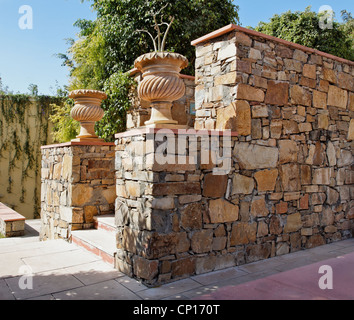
(23, 193)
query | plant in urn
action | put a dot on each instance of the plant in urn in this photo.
(161, 83)
(87, 111)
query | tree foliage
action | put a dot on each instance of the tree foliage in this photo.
(107, 47)
(304, 28)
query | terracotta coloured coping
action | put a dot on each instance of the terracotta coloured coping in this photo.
(8, 215)
(134, 71)
(293, 45)
(75, 143)
(142, 131)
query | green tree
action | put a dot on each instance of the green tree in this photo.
(33, 90)
(107, 47)
(3, 89)
(304, 28)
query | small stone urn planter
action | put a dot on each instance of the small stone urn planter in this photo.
(161, 85)
(87, 111)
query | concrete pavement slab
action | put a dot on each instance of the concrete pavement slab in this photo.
(59, 260)
(131, 284)
(43, 284)
(108, 290)
(93, 272)
(168, 289)
(5, 292)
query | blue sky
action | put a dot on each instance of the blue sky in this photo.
(28, 56)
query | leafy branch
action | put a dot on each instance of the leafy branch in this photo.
(159, 41)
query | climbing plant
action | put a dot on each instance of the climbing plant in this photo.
(24, 128)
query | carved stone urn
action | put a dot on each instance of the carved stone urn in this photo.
(161, 85)
(87, 111)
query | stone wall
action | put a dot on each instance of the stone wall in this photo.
(77, 184)
(167, 228)
(274, 80)
(290, 184)
(181, 109)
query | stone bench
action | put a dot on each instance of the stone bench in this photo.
(12, 224)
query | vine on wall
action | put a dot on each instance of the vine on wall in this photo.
(23, 130)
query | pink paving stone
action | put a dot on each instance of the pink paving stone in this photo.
(297, 284)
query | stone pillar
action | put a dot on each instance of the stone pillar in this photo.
(77, 184)
(164, 227)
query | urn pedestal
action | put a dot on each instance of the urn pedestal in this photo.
(87, 111)
(161, 85)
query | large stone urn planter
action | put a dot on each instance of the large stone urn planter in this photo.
(87, 111)
(161, 85)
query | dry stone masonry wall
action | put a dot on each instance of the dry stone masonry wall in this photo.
(287, 183)
(290, 186)
(77, 184)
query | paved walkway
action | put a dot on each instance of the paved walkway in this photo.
(63, 271)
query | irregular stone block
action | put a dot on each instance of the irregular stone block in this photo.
(351, 131)
(222, 211)
(243, 233)
(345, 81)
(183, 267)
(290, 177)
(236, 117)
(309, 71)
(242, 184)
(201, 241)
(300, 96)
(145, 269)
(246, 92)
(227, 52)
(329, 75)
(319, 99)
(81, 194)
(266, 180)
(293, 223)
(260, 112)
(210, 181)
(226, 79)
(288, 151)
(277, 93)
(176, 188)
(259, 208)
(258, 252)
(293, 65)
(250, 156)
(321, 176)
(337, 97)
(191, 217)
(163, 203)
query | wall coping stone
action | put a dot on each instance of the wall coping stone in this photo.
(78, 143)
(231, 27)
(8, 215)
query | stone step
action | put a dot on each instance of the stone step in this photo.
(106, 223)
(99, 242)
(12, 224)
